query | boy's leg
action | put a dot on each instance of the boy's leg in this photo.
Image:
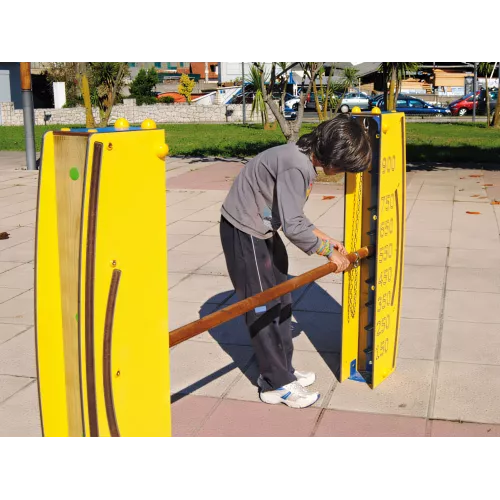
(280, 265)
(251, 267)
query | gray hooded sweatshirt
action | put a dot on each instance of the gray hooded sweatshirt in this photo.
(270, 192)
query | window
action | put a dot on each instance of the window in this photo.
(213, 68)
(171, 65)
(131, 65)
(401, 103)
(158, 65)
(416, 104)
(182, 65)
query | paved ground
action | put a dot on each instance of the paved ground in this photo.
(448, 371)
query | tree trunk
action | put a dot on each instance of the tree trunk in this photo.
(487, 103)
(392, 103)
(105, 119)
(496, 117)
(339, 103)
(386, 94)
(85, 89)
(290, 132)
(316, 102)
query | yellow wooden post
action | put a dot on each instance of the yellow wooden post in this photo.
(101, 283)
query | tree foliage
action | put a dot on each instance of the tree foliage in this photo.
(141, 88)
(186, 86)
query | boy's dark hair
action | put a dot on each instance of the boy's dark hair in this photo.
(341, 142)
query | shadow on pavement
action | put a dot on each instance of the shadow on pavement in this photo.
(322, 330)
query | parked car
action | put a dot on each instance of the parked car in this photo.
(376, 100)
(412, 106)
(464, 105)
(311, 100)
(481, 105)
(290, 114)
(353, 99)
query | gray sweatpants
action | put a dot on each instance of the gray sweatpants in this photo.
(255, 265)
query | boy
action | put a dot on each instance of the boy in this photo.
(269, 193)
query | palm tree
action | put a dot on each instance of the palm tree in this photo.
(349, 79)
(257, 78)
(484, 68)
(397, 71)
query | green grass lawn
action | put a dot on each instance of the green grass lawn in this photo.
(426, 142)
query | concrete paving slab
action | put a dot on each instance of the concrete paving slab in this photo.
(426, 256)
(471, 343)
(16, 236)
(418, 338)
(240, 418)
(10, 384)
(19, 415)
(190, 413)
(23, 219)
(7, 266)
(8, 331)
(206, 369)
(213, 231)
(8, 293)
(442, 428)
(316, 331)
(474, 307)
(18, 310)
(208, 215)
(201, 244)
(174, 278)
(202, 288)
(465, 258)
(21, 277)
(175, 214)
(175, 240)
(424, 277)
(427, 215)
(431, 192)
(321, 297)
(421, 303)
(175, 197)
(405, 392)
(473, 280)
(471, 240)
(181, 313)
(431, 238)
(188, 262)
(190, 227)
(24, 252)
(216, 266)
(468, 392)
(356, 424)
(17, 355)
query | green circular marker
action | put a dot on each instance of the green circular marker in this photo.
(74, 174)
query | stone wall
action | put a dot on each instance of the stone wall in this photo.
(160, 113)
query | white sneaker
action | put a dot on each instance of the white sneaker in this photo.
(292, 394)
(305, 379)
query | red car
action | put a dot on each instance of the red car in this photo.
(464, 105)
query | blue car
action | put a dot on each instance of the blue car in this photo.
(413, 106)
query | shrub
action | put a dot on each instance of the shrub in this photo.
(167, 99)
(145, 99)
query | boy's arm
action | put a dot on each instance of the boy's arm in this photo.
(336, 244)
(291, 190)
(291, 187)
